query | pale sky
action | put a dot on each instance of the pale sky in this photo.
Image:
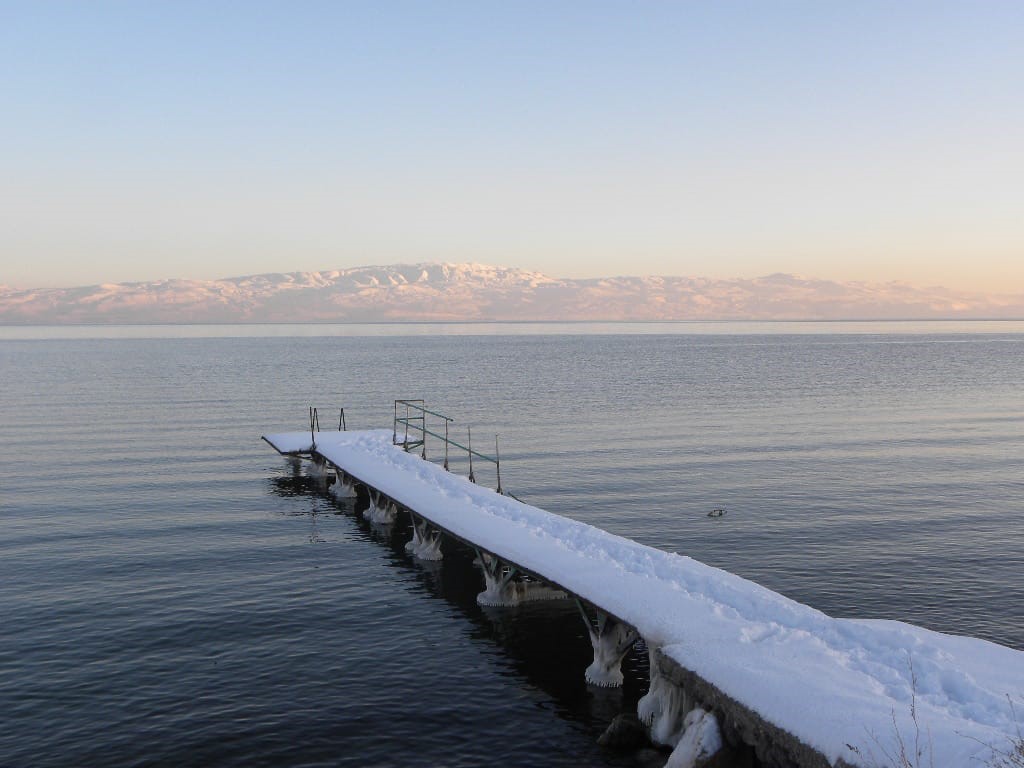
(843, 140)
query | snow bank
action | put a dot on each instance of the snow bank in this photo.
(832, 683)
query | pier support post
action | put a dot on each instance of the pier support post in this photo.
(497, 581)
(382, 510)
(611, 641)
(663, 707)
(701, 740)
(343, 487)
(426, 542)
(318, 470)
(501, 588)
(371, 510)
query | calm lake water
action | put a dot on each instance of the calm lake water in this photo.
(172, 592)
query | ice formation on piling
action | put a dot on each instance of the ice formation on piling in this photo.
(611, 642)
(343, 487)
(426, 542)
(382, 511)
(677, 721)
(318, 471)
(700, 741)
(501, 589)
(664, 706)
(371, 509)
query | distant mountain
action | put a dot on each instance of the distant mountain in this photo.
(452, 292)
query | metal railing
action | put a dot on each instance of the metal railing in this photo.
(415, 419)
(314, 423)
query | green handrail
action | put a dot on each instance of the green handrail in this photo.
(408, 422)
(412, 404)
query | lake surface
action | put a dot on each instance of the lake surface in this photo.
(172, 592)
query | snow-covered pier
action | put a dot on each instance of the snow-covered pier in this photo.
(733, 664)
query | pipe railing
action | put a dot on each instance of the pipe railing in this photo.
(415, 418)
(314, 423)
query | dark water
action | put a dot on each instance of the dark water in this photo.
(173, 593)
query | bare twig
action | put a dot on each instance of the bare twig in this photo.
(902, 754)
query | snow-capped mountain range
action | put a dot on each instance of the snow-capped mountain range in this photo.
(476, 292)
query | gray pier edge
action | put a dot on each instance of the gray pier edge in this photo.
(742, 726)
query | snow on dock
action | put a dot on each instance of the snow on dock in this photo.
(850, 689)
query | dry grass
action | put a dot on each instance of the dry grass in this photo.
(1014, 758)
(909, 751)
(914, 750)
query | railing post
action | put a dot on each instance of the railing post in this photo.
(497, 462)
(405, 442)
(469, 431)
(394, 426)
(423, 430)
(342, 426)
(446, 445)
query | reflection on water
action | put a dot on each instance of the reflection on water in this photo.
(545, 641)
